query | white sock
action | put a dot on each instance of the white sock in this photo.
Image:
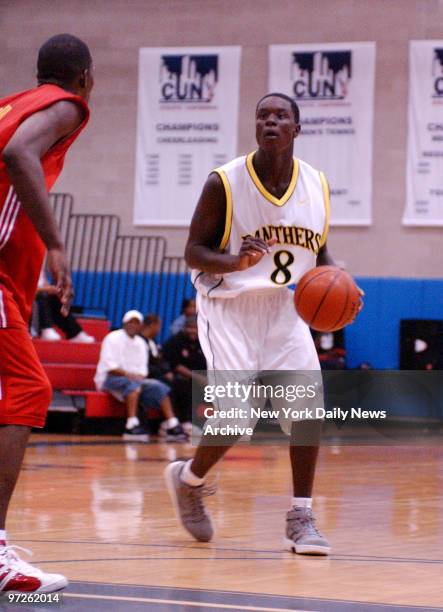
(2, 535)
(172, 422)
(301, 502)
(132, 422)
(188, 477)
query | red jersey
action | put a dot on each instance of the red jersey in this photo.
(21, 249)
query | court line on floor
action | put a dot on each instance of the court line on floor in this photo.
(180, 602)
(106, 442)
(330, 558)
(105, 559)
(282, 553)
(38, 466)
(238, 600)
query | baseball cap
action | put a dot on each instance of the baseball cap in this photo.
(132, 314)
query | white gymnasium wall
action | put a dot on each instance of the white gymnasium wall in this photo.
(100, 168)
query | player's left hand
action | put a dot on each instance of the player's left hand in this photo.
(360, 304)
(59, 270)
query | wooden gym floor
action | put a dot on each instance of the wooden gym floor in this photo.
(96, 509)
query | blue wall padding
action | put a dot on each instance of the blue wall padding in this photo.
(111, 294)
(373, 337)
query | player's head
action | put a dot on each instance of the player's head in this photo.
(65, 60)
(292, 102)
(277, 120)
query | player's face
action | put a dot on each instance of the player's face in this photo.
(275, 126)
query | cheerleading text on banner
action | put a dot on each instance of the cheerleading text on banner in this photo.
(186, 127)
(424, 166)
(333, 85)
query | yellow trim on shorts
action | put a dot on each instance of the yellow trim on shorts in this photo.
(327, 201)
(262, 189)
(228, 217)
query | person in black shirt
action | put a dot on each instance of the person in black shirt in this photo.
(185, 357)
(158, 367)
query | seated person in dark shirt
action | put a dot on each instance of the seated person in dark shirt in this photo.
(184, 354)
(159, 368)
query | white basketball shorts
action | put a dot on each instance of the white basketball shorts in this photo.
(255, 331)
(257, 337)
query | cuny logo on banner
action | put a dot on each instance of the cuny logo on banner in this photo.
(437, 73)
(188, 78)
(321, 75)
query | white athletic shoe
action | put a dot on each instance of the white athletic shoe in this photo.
(20, 577)
(302, 536)
(50, 334)
(82, 337)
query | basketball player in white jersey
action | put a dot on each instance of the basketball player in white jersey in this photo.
(260, 224)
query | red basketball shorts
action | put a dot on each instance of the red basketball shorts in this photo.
(25, 391)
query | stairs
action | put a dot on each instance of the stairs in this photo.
(63, 352)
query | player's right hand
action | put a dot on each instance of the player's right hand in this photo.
(252, 250)
(61, 277)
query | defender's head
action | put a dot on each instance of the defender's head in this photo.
(65, 60)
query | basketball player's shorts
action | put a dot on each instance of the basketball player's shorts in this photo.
(259, 336)
(25, 391)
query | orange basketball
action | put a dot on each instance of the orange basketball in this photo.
(327, 298)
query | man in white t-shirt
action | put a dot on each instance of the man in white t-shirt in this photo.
(122, 371)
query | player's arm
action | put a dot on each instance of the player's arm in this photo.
(207, 226)
(324, 258)
(22, 156)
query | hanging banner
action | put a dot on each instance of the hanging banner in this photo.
(333, 85)
(186, 127)
(424, 166)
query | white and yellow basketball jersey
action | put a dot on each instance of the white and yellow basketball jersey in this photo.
(299, 220)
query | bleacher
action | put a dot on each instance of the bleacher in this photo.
(111, 273)
(70, 368)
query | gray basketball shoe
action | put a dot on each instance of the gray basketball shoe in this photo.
(188, 503)
(302, 536)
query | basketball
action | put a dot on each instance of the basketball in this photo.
(327, 298)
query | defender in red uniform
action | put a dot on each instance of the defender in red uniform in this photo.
(37, 127)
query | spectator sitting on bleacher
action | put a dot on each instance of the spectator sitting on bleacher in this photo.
(48, 314)
(189, 309)
(122, 370)
(185, 356)
(159, 368)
